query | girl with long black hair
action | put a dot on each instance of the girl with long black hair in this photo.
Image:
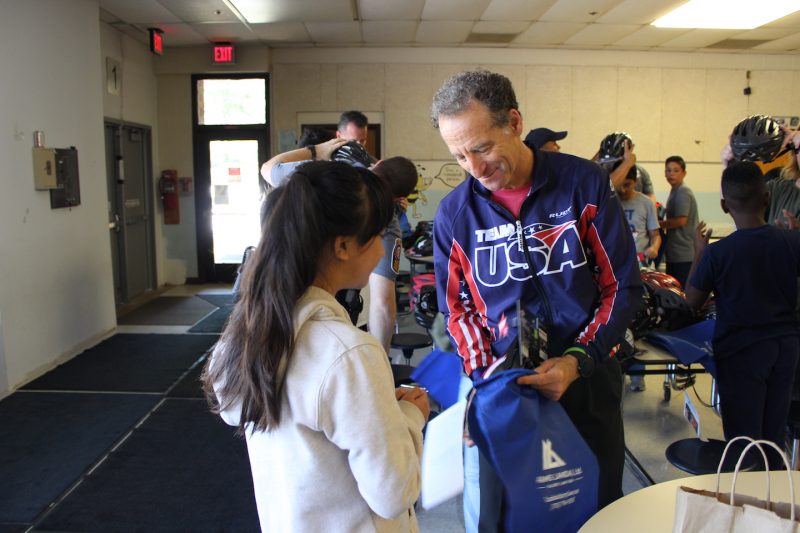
(333, 446)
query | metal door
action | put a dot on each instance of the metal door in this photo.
(130, 220)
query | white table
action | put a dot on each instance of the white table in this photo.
(652, 509)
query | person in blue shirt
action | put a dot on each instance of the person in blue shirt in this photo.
(753, 274)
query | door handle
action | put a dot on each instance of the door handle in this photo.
(114, 224)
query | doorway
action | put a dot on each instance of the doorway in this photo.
(130, 209)
(231, 141)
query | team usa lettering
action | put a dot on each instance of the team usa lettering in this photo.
(552, 248)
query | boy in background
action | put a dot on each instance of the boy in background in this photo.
(641, 216)
(753, 273)
(681, 220)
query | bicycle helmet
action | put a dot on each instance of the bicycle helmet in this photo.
(422, 247)
(426, 307)
(757, 138)
(612, 149)
(353, 154)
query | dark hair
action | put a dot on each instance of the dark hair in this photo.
(743, 187)
(490, 89)
(401, 174)
(314, 135)
(356, 117)
(322, 200)
(676, 159)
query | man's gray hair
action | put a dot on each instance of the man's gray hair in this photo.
(488, 88)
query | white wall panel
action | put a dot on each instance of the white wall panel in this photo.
(408, 130)
(639, 109)
(548, 98)
(594, 107)
(725, 106)
(683, 113)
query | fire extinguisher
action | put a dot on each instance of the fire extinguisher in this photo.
(168, 187)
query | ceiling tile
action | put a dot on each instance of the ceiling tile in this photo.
(639, 11)
(443, 31)
(578, 10)
(792, 42)
(334, 32)
(789, 21)
(257, 11)
(650, 36)
(396, 10)
(516, 9)
(282, 32)
(454, 9)
(699, 38)
(225, 32)
(602, 34)
(200, 10)
(181, 35)
(765, 33)
(544, 33)
(147, 12)
(496, 26)
(386, 31)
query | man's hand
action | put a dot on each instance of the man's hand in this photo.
(324, 150)
(553, 376)
(402, 202)
(651, 252)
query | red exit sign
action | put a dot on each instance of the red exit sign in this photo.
(156, 41)
(224, 54)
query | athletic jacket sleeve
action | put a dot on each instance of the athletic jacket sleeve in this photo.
(464, 323)
(608, 239)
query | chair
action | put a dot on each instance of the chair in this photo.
(793, 423)
(408, 342)
(699, 456)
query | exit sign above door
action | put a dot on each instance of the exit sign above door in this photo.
(224, 54)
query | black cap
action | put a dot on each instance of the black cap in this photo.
(541, 136)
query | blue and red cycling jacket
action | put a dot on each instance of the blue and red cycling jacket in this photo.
(571, 231)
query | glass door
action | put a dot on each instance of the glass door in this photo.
(231, 141)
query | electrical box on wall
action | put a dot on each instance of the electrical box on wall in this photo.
(44, 168)
(68, 193)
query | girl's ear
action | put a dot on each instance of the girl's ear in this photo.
(342, 248)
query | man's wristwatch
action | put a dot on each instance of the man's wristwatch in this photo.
(313, 150)
(585, 361)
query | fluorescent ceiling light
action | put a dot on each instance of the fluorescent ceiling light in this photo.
(727, 14)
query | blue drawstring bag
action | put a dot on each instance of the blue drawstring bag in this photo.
(440, 372)
(689, 345)
(549, 473)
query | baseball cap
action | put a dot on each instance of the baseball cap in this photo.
(540, 136)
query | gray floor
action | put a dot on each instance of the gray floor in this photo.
(651, 424)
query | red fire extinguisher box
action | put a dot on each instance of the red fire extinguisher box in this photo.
(168, 187)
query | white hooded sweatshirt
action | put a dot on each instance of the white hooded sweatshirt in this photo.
(346, 455)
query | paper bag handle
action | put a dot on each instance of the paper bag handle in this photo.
(758, 443)
(725, 453)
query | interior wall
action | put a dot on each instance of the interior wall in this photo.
(670, 103)
(136, 102)
(174, 71)
(56, 287)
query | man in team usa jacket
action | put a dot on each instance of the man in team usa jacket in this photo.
(547, 229)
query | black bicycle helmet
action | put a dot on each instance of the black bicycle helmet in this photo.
(757, 138)
(612, 149)
(353, 154)
(426, 306)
